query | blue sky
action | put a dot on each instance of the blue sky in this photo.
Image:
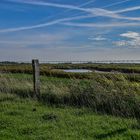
(69, 30)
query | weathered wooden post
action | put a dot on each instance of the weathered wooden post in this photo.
(36, 79)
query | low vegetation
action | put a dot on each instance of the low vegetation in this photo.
(123, 68)
(25, 118)
(72, 105)
(113, 95)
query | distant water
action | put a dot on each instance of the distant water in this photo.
(78, 70)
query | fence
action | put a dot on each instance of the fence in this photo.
(9, 81)
(36, 73)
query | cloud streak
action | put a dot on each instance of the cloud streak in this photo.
(97, 38)
(39, 3)
(113, 24)
(116, 3)
(41, 25)
(69, 24)
(93, 11)
(128, 9)
(79, 8)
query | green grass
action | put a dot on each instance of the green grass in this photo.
(97, 106)
(28, 119)
(114, 95)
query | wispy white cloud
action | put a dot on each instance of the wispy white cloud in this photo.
(102, 25)
(87, 3)
(41, 25)
(116, 3)
(106, 15)
(40, 3)
(30, 27)
(63, 22)
(131, 34)
(93, 11)
(133, 40)
(97, 38)
(128, 9)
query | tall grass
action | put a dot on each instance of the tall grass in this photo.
(113, 94)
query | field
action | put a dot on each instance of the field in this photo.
(23, 119)
(71, 105)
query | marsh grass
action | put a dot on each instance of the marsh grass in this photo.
(111, 94)
(92, 106)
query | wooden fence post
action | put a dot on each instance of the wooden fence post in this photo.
(36, 79)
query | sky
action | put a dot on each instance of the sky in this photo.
(69, 30)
